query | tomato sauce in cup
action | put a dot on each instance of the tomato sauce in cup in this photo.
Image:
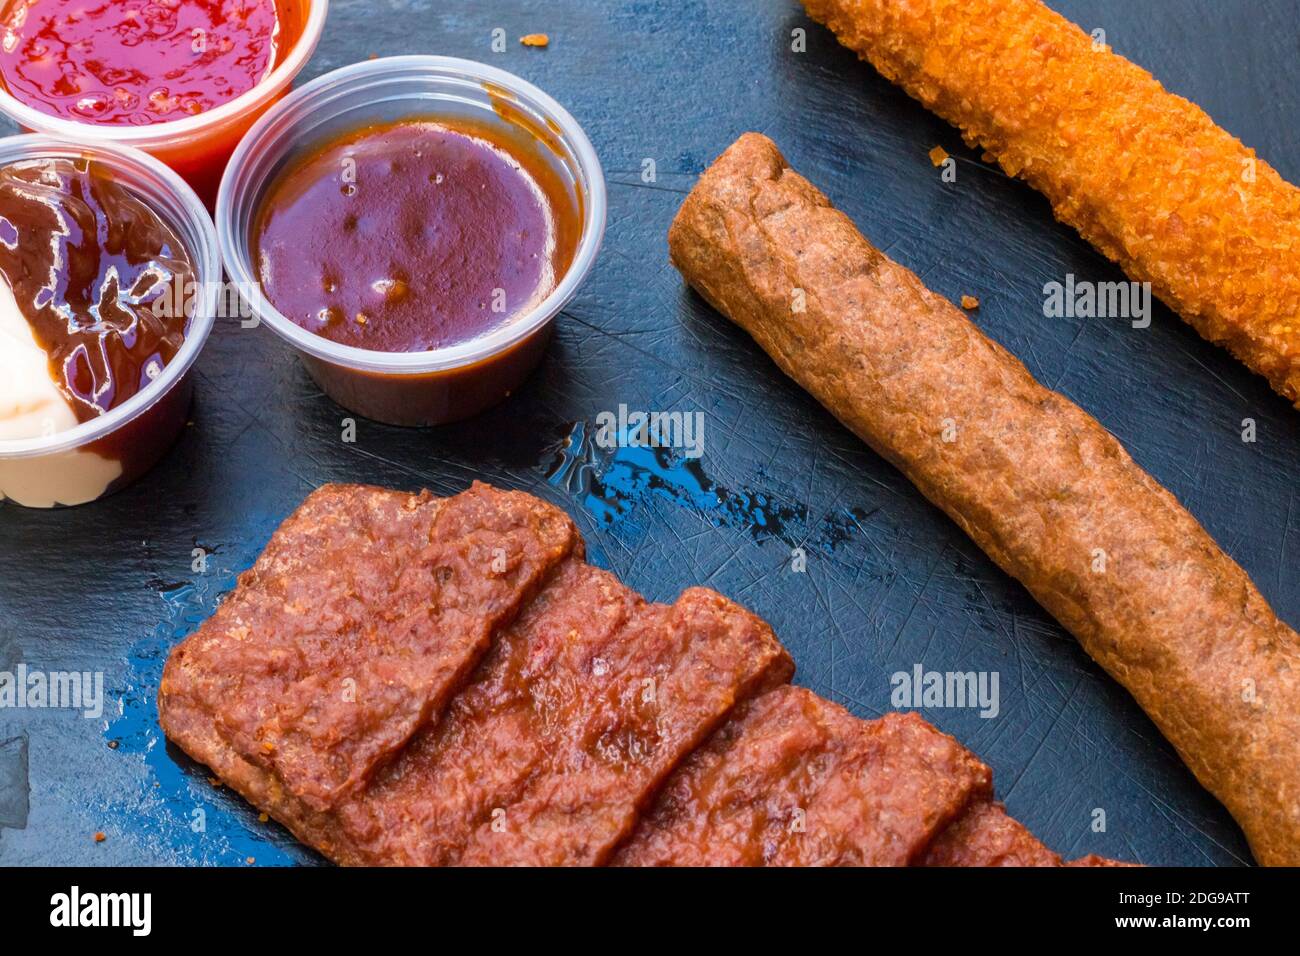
(135, 63)
(182, 79)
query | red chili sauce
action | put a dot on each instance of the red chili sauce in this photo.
(414, 235)
(136, 62)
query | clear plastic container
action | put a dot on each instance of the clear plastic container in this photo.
(197, 147)
(411, 388)
(106, 453)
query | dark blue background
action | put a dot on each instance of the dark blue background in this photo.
(890, 581)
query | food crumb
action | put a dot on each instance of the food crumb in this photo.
(535, 39)
(249, 860)
(113, 745)
(970, 302)
(938, 156)
(263, 817)
(100, 837)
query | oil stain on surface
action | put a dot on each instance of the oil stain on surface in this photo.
(611, 483)
(206, 824)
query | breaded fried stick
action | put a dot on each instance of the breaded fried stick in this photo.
(1047, 492)
(1142, 174)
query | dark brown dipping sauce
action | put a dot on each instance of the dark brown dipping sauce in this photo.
(415, 235)
(87, 260)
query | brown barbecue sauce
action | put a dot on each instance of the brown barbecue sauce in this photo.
(415, 235)
(87, 261)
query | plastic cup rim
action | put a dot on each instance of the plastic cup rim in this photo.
(157, 135)
(207, 266)
(239, 268)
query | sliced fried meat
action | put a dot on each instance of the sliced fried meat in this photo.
(366, 611)
(986, 836)
(566, 730)
(794, 780)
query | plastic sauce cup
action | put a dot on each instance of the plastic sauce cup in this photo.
(445, 384)
(197, 147)
(105, 454)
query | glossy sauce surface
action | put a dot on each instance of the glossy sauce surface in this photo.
(87, 259)
(414, 235)
(137, 62)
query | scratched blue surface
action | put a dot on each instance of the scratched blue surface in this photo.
(889, 582)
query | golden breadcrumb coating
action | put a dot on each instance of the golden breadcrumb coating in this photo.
(1144, 175)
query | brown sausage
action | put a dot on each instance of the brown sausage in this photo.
(1047, 492)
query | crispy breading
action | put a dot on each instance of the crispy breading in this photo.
(1144, 175)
